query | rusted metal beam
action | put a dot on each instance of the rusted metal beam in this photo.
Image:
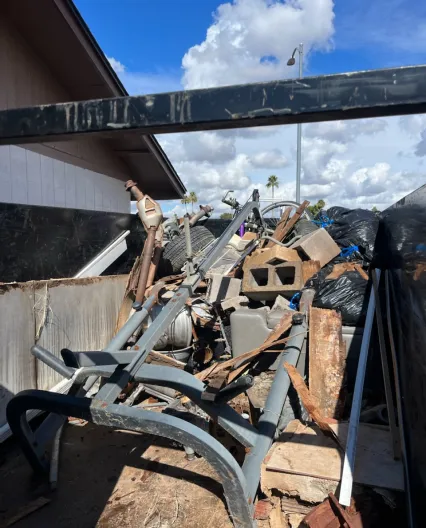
(374, 93)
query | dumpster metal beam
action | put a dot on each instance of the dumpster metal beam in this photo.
(375, 93)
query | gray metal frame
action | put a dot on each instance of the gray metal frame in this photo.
(120, 367)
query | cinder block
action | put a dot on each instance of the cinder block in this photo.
(223, 288)
(238, 243)
(233, 303)
(248, 235)
(318, 245)
(265, 281)
(273, 256)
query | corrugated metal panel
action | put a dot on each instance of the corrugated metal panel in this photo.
(17, 366)
(79, 314)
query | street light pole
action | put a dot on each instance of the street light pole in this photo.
(291, 62)
(299, 135)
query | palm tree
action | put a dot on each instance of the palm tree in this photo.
(193, 199)
(272, 183)
(185, 201)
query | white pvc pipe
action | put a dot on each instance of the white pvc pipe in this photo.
(349, 463)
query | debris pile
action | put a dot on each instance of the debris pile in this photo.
(237, 323)
(261, 330)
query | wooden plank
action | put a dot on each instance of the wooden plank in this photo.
(309, 268)
(215, 384)
(282, 327)
(327, 362)
(276, 517)
(308, 453)
(128, 298)
(343, 267)
(279, 234)
(156, 358)
(280, 226)
(28, 509)
(303, 392)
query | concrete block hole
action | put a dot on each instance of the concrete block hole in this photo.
(285, 276)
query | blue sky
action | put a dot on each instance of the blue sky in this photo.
(161, 45)
(153, 35)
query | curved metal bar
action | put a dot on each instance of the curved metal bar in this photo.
(192, 387)
(130, 418)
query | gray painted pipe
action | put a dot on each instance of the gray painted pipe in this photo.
(268, 422)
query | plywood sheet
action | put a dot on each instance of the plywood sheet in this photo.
(308, 453)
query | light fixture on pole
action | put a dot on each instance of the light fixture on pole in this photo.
(291, 62)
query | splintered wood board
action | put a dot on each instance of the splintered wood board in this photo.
(327, 362)
(311, 454)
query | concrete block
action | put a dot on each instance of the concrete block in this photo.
(318, 245)
(273, 256)
(281, 304)
(248, 235)
(238, 243)
(265, 281)
(235, 302)
(221, 288)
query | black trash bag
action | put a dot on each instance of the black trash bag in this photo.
(335, 212)
(348, 294)
(401, 238)
(354, 227)
(318, 279)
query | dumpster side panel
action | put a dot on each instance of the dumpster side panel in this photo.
(79, 314)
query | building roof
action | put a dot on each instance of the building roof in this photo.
(56, 31)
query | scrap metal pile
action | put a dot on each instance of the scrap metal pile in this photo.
(232, 330)
(255, 338)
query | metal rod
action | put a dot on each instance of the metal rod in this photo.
(146, 263)
(52, 361)
(299, 135)
(269, 420)
(187, 237)
(350, 452)
(130, 326)
(386, 369)
(154, 264)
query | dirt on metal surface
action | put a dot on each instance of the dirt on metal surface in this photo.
(110, 479)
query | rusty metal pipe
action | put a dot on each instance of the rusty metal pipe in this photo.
(154, 264)
(205, 210)
(146, 262)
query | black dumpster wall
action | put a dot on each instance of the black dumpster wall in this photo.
(401, 249)
(39, 243)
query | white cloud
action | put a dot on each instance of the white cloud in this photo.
(251, 40)
(413, 124)
(269, 159)
(344, 131)
(208, 146)
(349, 163)
(117, 66)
